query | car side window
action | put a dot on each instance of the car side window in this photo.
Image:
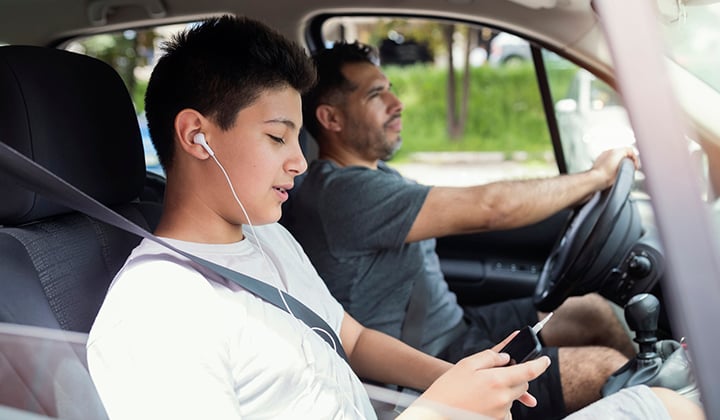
(481, 122)
(590, 115)
(133, 54)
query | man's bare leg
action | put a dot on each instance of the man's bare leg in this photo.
(587, 320)
(584, 371)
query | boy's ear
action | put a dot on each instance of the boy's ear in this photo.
(188, 123)
(329, 117)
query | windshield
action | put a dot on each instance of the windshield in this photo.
(692, 37)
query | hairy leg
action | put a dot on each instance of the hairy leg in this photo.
(584, 371)
(587, 320)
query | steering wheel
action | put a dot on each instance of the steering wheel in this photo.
(576, 254)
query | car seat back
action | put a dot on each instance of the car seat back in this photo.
(73, 115)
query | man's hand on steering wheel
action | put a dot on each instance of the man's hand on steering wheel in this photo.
(608, 163)
(604, 227)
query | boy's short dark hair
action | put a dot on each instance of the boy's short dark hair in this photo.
(218, 68)
(331, 84)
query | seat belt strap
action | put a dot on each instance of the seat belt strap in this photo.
(34, 177)
(414, 324)
(415, 314)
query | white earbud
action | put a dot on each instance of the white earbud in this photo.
(199, 138)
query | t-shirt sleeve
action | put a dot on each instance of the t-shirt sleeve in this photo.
(364, 210)
(156, 354)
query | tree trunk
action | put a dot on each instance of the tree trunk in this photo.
(465, 97)
(451, 116)
(456, 120)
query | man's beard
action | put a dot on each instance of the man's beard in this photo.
(373, 144)
(382, 148)
(391, 150)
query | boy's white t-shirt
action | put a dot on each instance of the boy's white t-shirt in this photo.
(170, 342)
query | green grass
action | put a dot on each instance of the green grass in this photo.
(504, 109)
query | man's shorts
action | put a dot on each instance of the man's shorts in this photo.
(490, 324)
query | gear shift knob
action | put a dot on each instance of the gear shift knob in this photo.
(665, 364)
(641, 313)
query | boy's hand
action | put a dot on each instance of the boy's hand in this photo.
(482, 383)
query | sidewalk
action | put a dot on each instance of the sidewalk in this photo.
(470, 168)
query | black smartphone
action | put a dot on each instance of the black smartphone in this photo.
(523, 347)
(526, 345)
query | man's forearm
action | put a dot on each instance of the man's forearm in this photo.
(499, 205)
(520, 203)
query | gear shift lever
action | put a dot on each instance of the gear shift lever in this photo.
(656, 364)
(642, 313)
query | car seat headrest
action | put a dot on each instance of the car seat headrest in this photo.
(72, 114)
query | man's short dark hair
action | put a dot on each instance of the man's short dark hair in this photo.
(331, 84)
(218, 68)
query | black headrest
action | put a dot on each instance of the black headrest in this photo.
(73, 115)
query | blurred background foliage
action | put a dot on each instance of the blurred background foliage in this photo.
(515, 121)
(512, 120)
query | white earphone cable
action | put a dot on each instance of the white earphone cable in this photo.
(262, 252)
(252, 228)
(282, 296)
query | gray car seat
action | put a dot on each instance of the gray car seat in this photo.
(73, 115)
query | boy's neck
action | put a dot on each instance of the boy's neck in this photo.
(183, 232)
(192, 223)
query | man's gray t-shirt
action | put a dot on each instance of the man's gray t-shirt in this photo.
(352, 223)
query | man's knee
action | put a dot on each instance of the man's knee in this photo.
(588, 307)
(589, 364)
(584, 320)
(584, 371)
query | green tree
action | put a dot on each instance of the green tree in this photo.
(440, 39)
(125, 52)
(457, 113)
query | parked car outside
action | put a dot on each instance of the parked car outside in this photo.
(591, 119)
(507, 49)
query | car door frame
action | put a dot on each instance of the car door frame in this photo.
(490, 266)
(691, 250)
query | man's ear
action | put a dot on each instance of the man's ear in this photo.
(329, 117)
(189, 123)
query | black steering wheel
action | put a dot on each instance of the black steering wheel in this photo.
(575, 263)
